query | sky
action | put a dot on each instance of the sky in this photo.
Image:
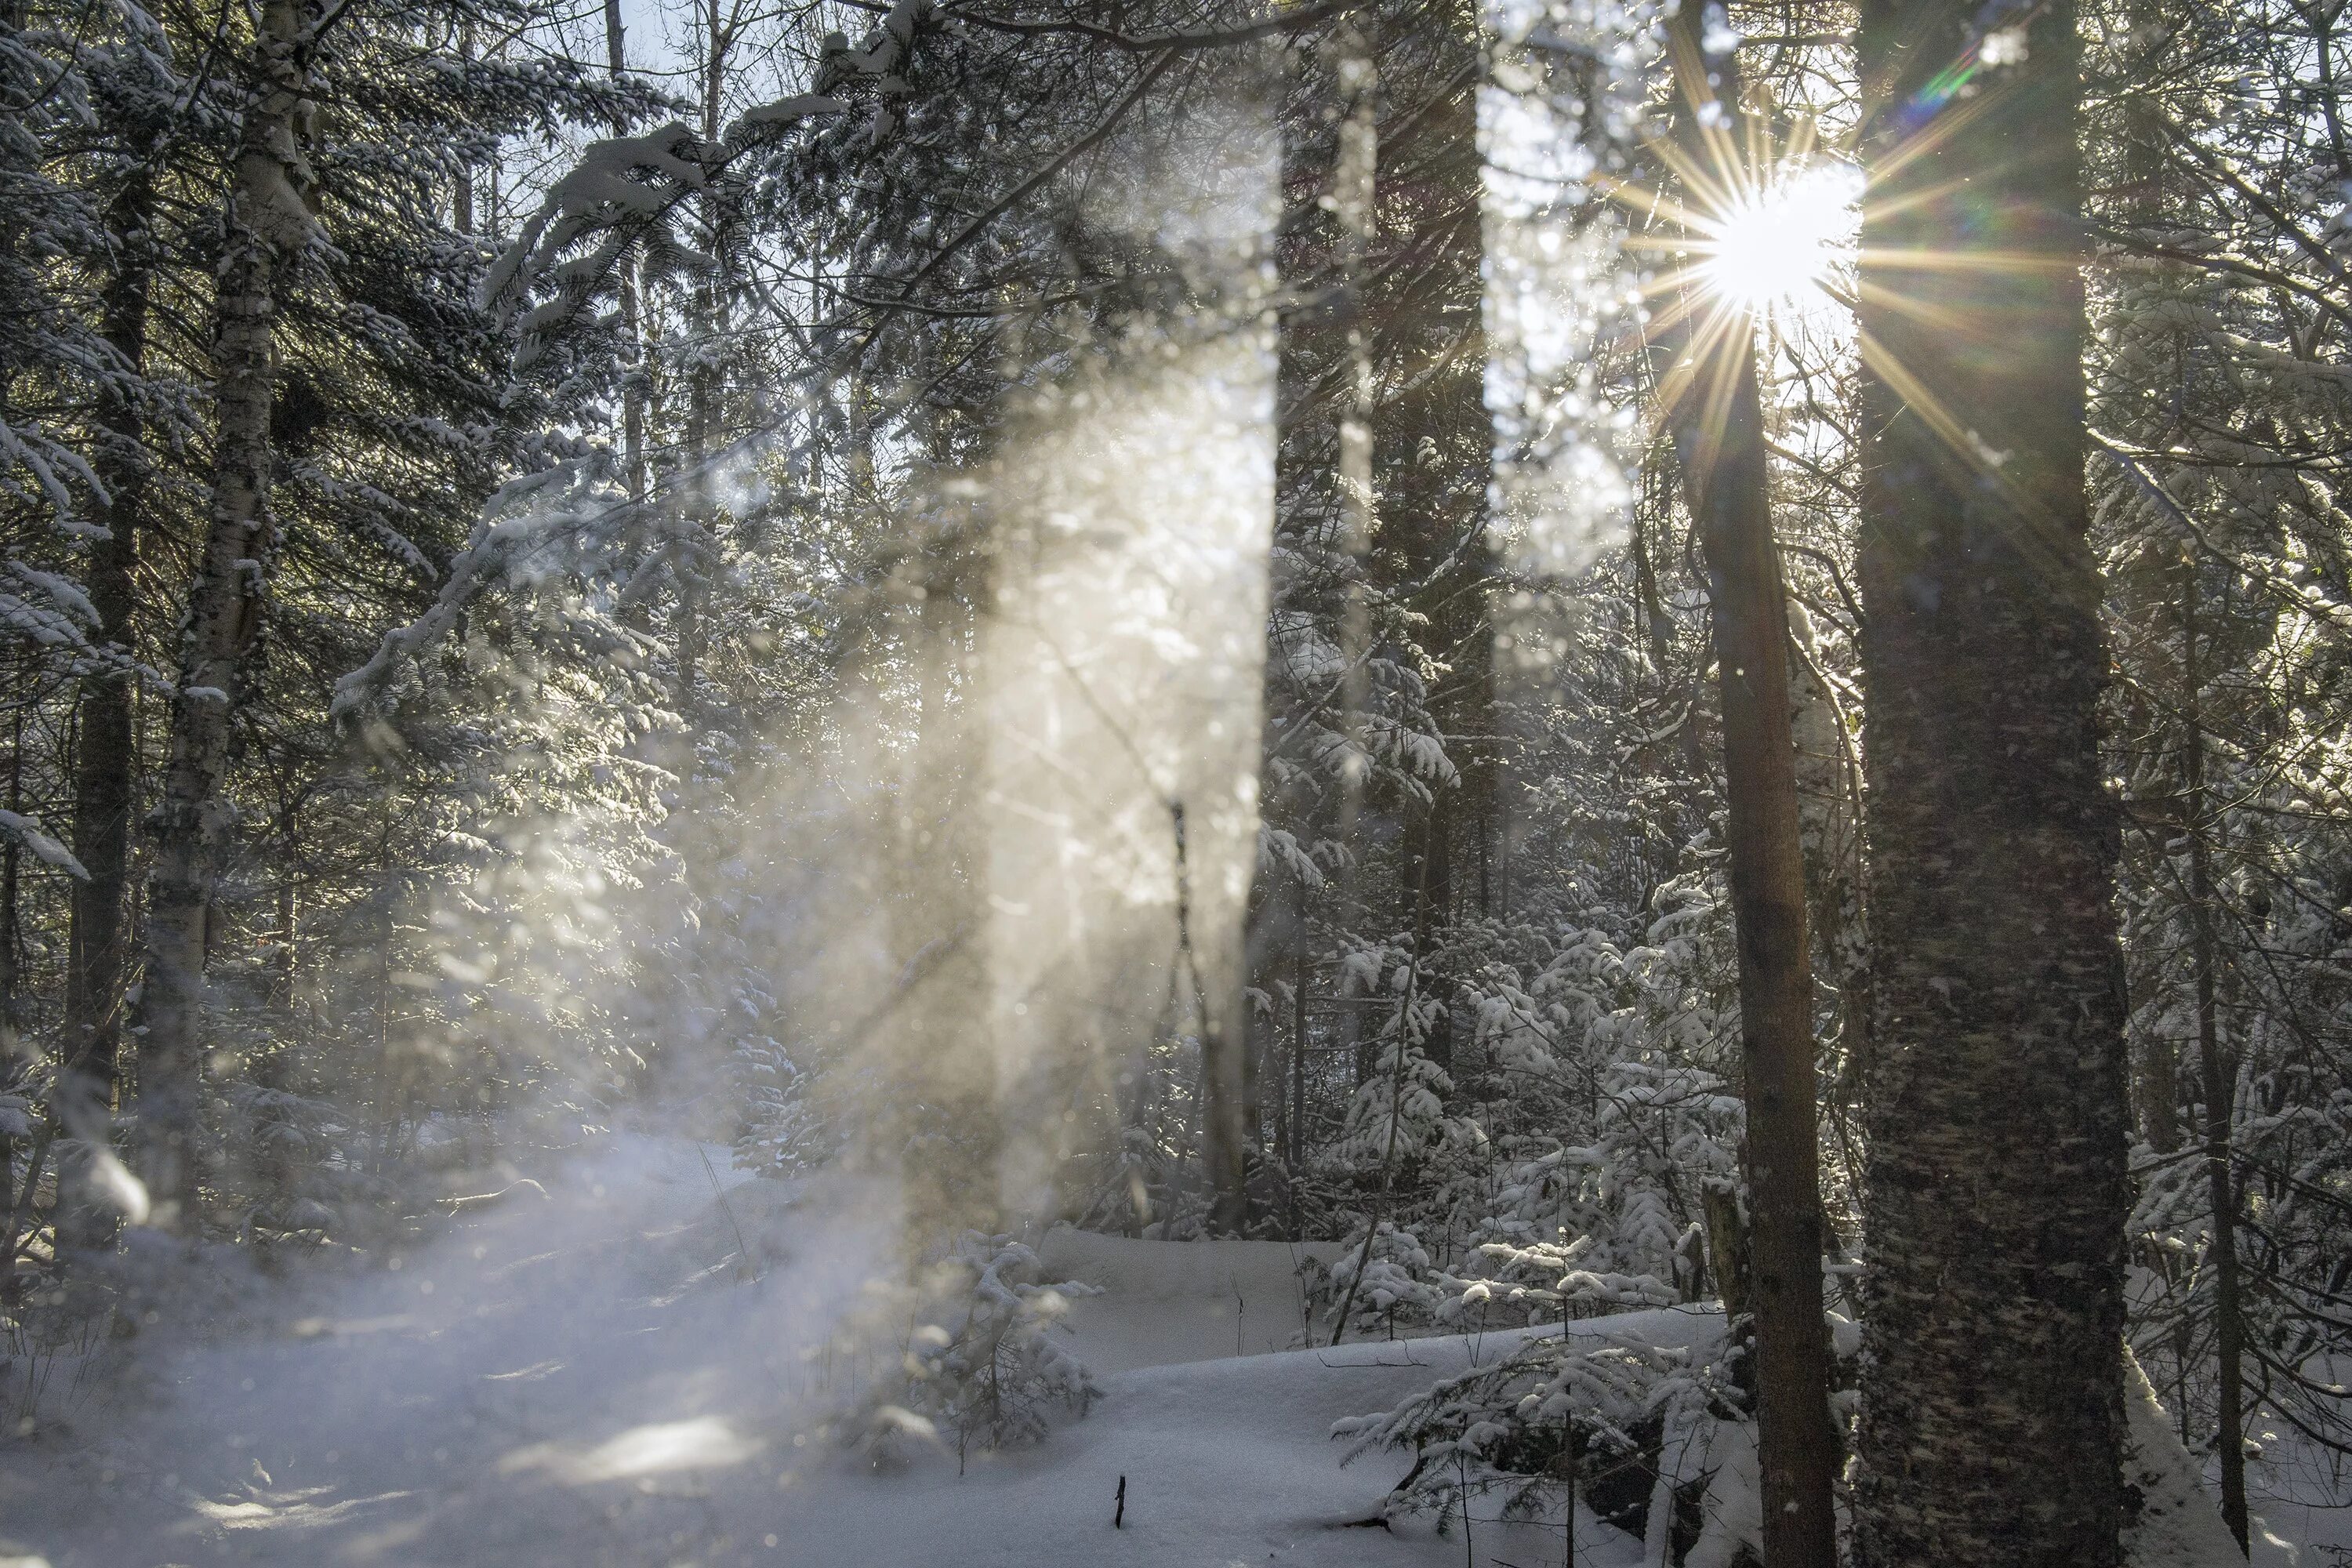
(656, 33)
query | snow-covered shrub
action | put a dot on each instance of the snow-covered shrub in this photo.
(1377, 1283)
(1397, 1118)
(989, 1367)
(1574, 1188)
(781, 1131)
(1650, 1437)
(1579, 1229)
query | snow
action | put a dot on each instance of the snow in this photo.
(2177, 1525)
(61, 589)
(1169, 1303)
(45, 849)
(632, 1359)
(586, 1371)
(790, 111)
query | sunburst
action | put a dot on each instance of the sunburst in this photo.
(1756, 231)
(1779, 240)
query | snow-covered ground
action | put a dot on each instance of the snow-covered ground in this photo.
(1163, 1304)
(585, 1372)
(584, 1378)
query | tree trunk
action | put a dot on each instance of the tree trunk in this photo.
(692, 551)
(1344, 186)
(1718, 430)
(1354, 174)
(461, 187)
(1992, 1422)
(106, 759)
(1273, 946)
(2218, 1082)
(1229, 1108)
(265, 220)
(1433, 443)
(1298, 1038)
(12, 931)
(633, 373)
(2146, 155)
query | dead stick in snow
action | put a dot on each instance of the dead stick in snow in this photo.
(477, 1199)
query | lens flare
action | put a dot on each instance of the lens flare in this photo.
(1776, 244)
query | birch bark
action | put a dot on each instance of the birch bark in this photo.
(266, 221)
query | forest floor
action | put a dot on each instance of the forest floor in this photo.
(586, 1378)
(586, 1372)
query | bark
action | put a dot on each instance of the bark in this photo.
(1299, 1043)
(691, 550)
(2146, 155)
(633, 376)
(106, 759)
(1728, 1249)
(1433, 443)
(1353, 173)
(1274, 947)
(265, 223)
(1651, 511)
(12, 931)
(1319, 480)
(1992, 1423)
(1719, 431)
(1645, 586)
(2218, 1082)
(461, 188)
(1228, 1111)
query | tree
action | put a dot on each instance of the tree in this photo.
(267, 223)
(1991, 1423)
(2217, 398)
(1708, 381)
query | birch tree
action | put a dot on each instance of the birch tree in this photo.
(267, 224)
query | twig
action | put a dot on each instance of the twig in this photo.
(476, 1199)
(744, 1266)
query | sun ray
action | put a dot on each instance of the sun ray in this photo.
(1906, 258)
(1927, 312)
(1753, 234)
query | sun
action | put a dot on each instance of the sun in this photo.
(1774, 244)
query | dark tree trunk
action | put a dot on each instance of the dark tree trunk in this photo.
(1228, 1079)
(106, 760)
(953, 1170)
(1300, 1040)
(1324, 398)
(1993, 1421)
(12, 931)
(1433, 444)
(2146, 153)
(1718, 429)
(2218, 1081)
(1354, 175)
(634, 373)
